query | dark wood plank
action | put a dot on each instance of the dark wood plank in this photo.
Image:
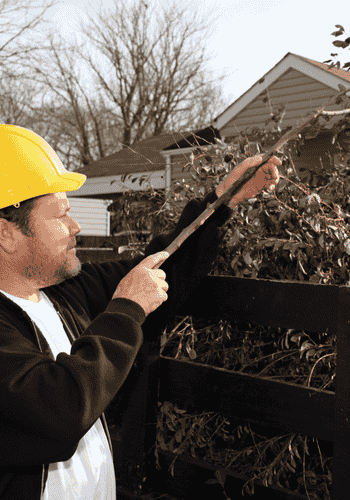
(133, 440)
(124, 494)
(314, 308)
(190, 476)
(283, 405)
(139, 422)
(268, 303)
(341, 450)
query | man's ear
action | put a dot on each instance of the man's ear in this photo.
(8, 236)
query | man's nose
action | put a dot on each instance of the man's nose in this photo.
(75, 227)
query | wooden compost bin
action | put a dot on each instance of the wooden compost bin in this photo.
(313, 412)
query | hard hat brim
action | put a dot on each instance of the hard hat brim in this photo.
(69, 182)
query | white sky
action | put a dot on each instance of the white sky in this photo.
(246, 37)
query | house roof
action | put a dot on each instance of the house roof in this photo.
(342, 73)
(146, 155)
(140, 157)
(200, 138)
(322, 82)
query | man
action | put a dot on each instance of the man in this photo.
(69, 333)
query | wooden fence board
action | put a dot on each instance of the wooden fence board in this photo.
(341, 450)
(304, 306)
(140, 412)
(190, 476)
(278, 404)
(269, 303)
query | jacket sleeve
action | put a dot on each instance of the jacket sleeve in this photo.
(48, 405)
(185, 268)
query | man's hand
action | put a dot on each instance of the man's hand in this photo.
(144, 284)
(266, 177)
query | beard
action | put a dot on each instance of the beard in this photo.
(48, 274)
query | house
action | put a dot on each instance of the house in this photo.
(154, 163)
(91, 214)
(302, 85)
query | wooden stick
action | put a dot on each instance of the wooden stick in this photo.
(237, 186)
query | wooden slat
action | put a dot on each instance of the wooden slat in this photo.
(287, 304)
(341, 453)
(141, 408)
(190, 476)
(124, 494)
(277, 404)
(322, 414)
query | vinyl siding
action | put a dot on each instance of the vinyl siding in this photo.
(177, 163)
(91, 215)
(301, 94)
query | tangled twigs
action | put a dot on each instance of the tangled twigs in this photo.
(246, 177)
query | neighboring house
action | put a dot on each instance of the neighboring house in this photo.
(159, 160)
(92, 215)
(303, 85)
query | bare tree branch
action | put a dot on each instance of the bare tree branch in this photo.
(150, 71)
(149, 77)
(17, 98)
(18, 18)
(85, 127)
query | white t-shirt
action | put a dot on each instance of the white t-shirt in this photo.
(89, 474)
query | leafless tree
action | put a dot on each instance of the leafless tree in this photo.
(150, 70)
(158, 84)
(203, 112)
(85, 128)
(16, 100)
(18, 22)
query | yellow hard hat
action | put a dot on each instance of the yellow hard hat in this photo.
(29, 167)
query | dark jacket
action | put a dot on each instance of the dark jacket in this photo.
(48, 405)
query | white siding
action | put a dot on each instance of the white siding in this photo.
(91, 215)
(112, 184)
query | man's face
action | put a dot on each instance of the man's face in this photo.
(47, 258)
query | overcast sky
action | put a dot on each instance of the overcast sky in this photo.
(246, 37)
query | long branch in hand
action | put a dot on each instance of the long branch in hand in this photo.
(246, 177)
(225, 198)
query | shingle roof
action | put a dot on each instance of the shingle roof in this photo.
(341, 73)
(201, 138)
(140, 157)
(145, 155)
